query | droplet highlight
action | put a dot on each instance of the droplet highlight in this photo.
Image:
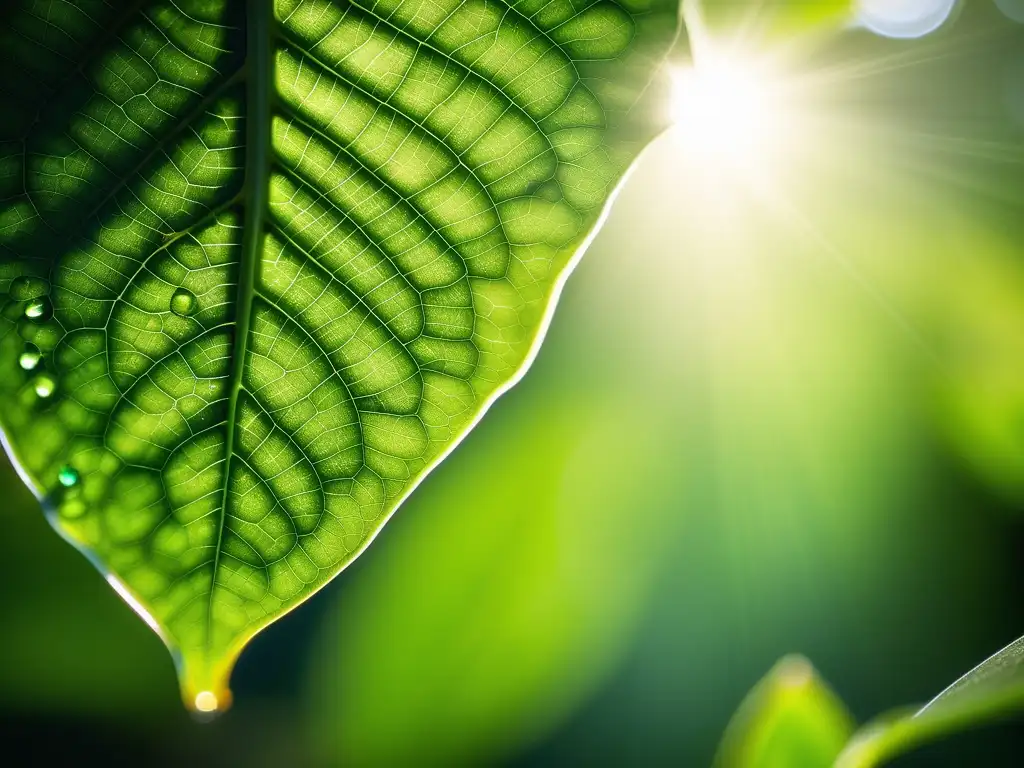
(44, 385)
(68, 476)
(206, 701)
(30, 358)
(184, 303)
(38, 309)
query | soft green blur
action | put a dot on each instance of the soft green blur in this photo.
(774, 19)
(761, 424)
(512, 594)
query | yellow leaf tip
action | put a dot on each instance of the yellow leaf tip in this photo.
(206, 705)
(204, 688)
(206, 701)
(794, 671)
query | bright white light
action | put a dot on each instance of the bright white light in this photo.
(905, 18)
(729, 110)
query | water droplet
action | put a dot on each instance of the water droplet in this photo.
(184, 303)
(38, 309)
(44, 385)
(29, 358)
(68, 476)
(24, 288)
(206, 701)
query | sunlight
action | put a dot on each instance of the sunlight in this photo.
(727, 109)
(740, 121)
(733, 110)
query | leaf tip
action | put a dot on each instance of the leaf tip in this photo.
(204, 689)
(206, 705)
(793, 672)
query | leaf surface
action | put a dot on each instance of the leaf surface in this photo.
(265, 264)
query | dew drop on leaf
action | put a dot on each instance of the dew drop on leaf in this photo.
(206, 702)
(30, 358)
(38, 309)
(184, 303)
(68, 476)
(44, 385)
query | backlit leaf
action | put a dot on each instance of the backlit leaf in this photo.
(265, 264)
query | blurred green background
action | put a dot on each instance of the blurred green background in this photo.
(758, 426)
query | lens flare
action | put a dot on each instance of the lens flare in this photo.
(905, 19)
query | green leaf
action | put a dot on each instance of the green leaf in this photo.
(790, 718)
(265, 265)
(993, 689)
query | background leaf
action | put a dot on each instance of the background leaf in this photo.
(993, 689)
(791, 718)
(776, 20)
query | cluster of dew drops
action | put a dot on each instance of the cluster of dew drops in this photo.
(33, 309)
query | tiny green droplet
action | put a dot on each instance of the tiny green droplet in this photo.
(68, 476)
(30, 358)
(38, 309)
(184, 303)
(44, 385)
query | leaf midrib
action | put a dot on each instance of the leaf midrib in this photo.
(259, 75)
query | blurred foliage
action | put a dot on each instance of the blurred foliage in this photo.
(980, 397)
(773, 20)
(791, 718)
(993, 689)
(527, 563)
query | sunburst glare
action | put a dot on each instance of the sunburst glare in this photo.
(730, 110)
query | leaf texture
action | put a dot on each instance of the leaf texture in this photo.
(265, 264)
